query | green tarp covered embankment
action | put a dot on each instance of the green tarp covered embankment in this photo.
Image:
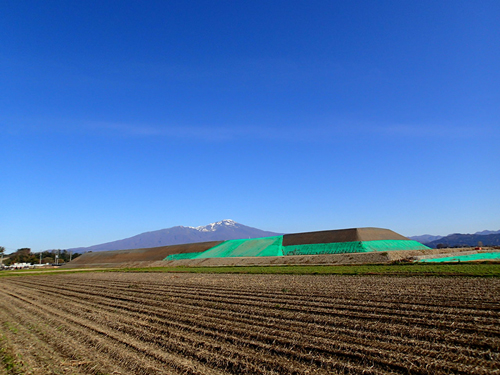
(353, 247)
(258, 247)
(393, 245)
(465, 258)
(324, 248)
(272, 246)
(354, 240)
(182, 256)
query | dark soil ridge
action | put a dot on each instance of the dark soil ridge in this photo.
(116, 258)
(341, 235)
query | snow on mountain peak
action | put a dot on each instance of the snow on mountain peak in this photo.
(212, 227)
(228, 222)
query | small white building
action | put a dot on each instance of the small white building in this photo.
(19, 266)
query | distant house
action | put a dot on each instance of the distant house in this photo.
(19, 266)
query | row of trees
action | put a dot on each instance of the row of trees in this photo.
(25, 255)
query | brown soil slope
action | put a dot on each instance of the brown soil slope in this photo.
(341, 235)
(119, 258)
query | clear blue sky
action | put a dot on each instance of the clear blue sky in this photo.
(120, 117)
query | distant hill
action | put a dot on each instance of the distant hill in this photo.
(222, 230)
(458, 239)
(485, 232)
(425, 238)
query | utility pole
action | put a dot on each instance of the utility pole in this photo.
(2, 250)
(40, 257)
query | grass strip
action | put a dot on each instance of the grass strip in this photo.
(483, 269)
(9, 364)
(471, 270)
(24, 273)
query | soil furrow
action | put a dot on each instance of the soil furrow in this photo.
(259, 324)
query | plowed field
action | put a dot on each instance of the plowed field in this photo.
(135, 323)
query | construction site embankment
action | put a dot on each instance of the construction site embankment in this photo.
(136, 257)
(322, 259)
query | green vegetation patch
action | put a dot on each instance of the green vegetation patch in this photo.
(474, 270)
(51, 271)
(9, 361)
(484, 269)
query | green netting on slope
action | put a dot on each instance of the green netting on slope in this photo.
(182, 256)
(465, 258)
(258, 247)
(353, 247)
(393, 245)
(272, 246)
(324, 248)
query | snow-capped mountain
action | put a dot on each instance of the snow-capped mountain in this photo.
(219, 231)
(216, 226)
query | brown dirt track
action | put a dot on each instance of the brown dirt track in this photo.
(146, 323)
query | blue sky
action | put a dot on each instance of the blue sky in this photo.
(120, 117)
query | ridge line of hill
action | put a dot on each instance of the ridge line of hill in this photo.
(218, 231)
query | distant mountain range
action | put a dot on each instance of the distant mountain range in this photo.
(425, 238)
(486, 237)
(220, 231)
(231, 230)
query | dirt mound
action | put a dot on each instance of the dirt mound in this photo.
(138, 257)
(341, 235)
(321, 259)
(249, 252)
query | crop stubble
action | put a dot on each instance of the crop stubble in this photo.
(135, 323)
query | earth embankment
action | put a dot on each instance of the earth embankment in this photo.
(136, 257)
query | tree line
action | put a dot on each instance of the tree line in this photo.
(25, 255)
